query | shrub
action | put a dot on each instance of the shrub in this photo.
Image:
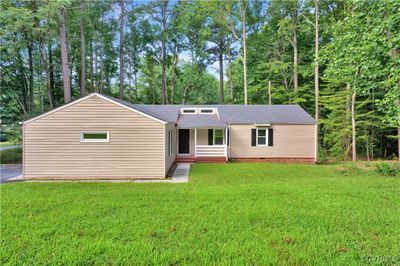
(388, 169)
(11, 156)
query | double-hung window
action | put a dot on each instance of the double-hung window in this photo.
(169, 142)
(218, 137)
(261, 137)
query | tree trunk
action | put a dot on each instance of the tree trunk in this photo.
(83, 54)
(221, 77)
(316, 80)
(47, 71)
(269, 93)
(91, 65)
(230, 74)
(174, 63)
(243, 14)
(50, 75)
(30, 93)
(295, 52)
(121, 52)
(164, 52)
(64, 58)
(348, 117)
(353, 125)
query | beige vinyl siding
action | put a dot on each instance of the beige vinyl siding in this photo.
(202, 136)
(290, 141)
(170, 159)
(52, 146)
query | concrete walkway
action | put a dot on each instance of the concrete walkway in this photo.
(12, 173)
(180, 175)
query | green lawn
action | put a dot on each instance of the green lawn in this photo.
(227, 214)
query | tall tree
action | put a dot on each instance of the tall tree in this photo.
(316, 77)
(121, 51)
(83, 54)
(240, 19)
(64, 57)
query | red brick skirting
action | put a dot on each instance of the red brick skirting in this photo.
(276, 160)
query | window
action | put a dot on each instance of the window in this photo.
(261, 137)
(188, 111)
(207, 111)
(169, 142)
(95, 136)
(218, 137)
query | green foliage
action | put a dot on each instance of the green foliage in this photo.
(358, 43)
(387, 168)
(11, 156)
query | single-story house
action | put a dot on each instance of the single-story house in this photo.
(99, 137)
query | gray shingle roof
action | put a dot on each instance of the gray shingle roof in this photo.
(228, 114)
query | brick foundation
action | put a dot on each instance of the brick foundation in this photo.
(276, 160)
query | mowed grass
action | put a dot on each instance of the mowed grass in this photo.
(228, 214)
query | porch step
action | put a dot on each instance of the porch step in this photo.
(211, 159)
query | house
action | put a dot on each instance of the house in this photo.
(99, 137)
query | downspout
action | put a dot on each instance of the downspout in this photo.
(230, 142)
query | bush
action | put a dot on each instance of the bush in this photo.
(11, 156)
(388, 169)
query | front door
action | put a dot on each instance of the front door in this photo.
(184, 141)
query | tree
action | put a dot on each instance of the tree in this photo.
(121, 51)
(83, 55)
(64, 57)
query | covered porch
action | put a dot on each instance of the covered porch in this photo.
(202, 144)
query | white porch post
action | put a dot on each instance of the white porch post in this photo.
(195, 142)
(226, 144)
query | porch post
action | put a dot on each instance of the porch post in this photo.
(195, 142)
(226, 144)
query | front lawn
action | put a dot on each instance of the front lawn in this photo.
(227, 214)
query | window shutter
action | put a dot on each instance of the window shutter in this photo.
(228, 136)
(270, 137)
(253, 137)
(210, 137)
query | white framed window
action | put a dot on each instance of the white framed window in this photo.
(262, 139)
(95, 136)
(218, 136)
(207, 111)
(169, 142)
(188, 111)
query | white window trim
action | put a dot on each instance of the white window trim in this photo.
(266, 137)
(188, 109)
(95, 140)
(223, 137)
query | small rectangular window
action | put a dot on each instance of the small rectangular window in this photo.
(188, 111)
(206, 111)
(261, 137)
(95, 136)
(218, 137)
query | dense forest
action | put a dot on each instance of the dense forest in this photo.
(339, 60)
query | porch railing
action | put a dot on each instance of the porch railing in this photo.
(210, 150)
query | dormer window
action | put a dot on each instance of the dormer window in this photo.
(188, 111)
(199, 110)
(207, 111)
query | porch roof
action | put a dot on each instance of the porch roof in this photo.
(200, 121)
